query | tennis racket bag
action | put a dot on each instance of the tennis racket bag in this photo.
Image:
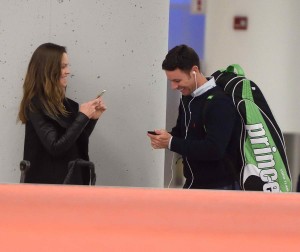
(265, 165)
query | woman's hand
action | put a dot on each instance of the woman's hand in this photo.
(93, 109)
(100, 108)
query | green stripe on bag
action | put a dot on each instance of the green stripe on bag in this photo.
(260, 149)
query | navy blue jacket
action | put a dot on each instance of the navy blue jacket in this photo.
(210, 152)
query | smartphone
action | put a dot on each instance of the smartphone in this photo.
(99, 95)
(152, 133)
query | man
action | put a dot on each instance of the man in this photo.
(208, 127)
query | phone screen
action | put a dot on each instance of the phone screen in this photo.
(152, 132)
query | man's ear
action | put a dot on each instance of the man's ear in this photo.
(194, 71)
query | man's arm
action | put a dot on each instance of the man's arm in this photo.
(219, 123)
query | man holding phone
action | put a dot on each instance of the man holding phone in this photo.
(208, 127)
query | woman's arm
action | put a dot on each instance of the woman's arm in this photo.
(47, 130)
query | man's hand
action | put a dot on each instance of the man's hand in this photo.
(161, 140)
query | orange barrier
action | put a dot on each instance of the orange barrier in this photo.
(73, 218)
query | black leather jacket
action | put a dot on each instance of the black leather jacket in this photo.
(50, 143)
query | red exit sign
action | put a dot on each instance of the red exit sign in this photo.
(240, 23)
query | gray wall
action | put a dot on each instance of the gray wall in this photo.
(112, 45)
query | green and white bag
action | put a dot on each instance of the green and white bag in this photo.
(265, 165)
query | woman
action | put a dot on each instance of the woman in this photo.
(57, 129)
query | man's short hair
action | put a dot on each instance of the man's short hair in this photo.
(182, 57)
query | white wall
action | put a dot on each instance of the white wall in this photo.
(268, 51)
(112, 45)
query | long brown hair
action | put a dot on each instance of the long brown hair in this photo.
(42, 81)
